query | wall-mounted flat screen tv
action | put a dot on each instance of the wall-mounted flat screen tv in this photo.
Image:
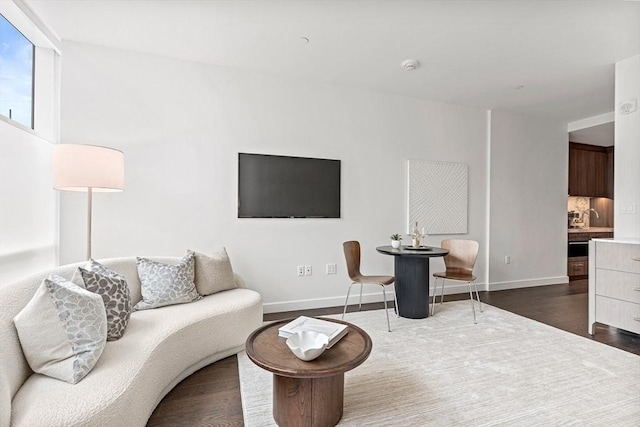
(287, 187)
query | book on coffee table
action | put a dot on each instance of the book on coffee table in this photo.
(334, 331)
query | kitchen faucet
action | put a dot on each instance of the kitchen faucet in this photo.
(586, 211)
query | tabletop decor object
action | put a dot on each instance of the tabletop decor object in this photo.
(334, 331)
(419, 248)
(88, 168)
(395, 240)
(416, 236)
(308, 345)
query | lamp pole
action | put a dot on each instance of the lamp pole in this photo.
(89, 208)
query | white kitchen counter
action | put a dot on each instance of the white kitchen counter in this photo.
(631, 241)
(591, 230)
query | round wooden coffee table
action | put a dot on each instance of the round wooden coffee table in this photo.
(307, 393)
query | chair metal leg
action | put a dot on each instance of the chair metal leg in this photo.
(346, 301)
(473, 306)
(442, 292)
(395, 301)
(360, 303)
(384, 295)
(478, 295)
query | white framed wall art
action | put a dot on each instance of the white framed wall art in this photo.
(437, 196)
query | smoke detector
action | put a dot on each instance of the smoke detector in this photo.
(410, 64)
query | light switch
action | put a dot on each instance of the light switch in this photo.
(627, 208)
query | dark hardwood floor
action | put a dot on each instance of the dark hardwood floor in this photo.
(211, 396)
(564, 307)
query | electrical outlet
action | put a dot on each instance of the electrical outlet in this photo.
(307, 270)
(331, 268)
(301, 270)
(507, 259)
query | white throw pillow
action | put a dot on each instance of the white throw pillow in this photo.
(213, 272)
(166, 284)
(62, 330)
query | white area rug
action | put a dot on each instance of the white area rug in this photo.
(445, 371)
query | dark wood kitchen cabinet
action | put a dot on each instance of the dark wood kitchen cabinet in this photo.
(590, 170)
(578, 268)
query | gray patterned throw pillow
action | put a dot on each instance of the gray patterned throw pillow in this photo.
(114, 290)
(62, 330)
(166, 284)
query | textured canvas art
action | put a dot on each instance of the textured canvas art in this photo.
(437, 197)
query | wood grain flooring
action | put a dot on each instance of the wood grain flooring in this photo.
(211, 396)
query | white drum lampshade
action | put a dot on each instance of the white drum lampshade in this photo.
(88, 168)
(80, 167)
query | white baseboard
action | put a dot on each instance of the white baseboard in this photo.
(307, 304)
(516, 284)
(449, 289)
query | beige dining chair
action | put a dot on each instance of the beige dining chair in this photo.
(459, 264)
(352, 258)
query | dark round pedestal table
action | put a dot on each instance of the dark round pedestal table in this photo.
(307, 394)
(412, 278)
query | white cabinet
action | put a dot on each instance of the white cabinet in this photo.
(614, 284)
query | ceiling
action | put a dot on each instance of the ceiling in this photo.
(548, 58)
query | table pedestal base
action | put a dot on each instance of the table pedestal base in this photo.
(308, 402)
(412, 286)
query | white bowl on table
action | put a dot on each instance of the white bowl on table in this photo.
(307, 345)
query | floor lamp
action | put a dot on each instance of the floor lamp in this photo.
(88, 168)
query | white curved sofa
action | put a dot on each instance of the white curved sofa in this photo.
(159, 349)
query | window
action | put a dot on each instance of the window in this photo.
(16, 74)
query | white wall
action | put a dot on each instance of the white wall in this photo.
(28, 208)
(528, 186)
(28, 203)
(181, 125)
(627, 152)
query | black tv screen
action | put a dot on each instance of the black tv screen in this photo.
(287, 187)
